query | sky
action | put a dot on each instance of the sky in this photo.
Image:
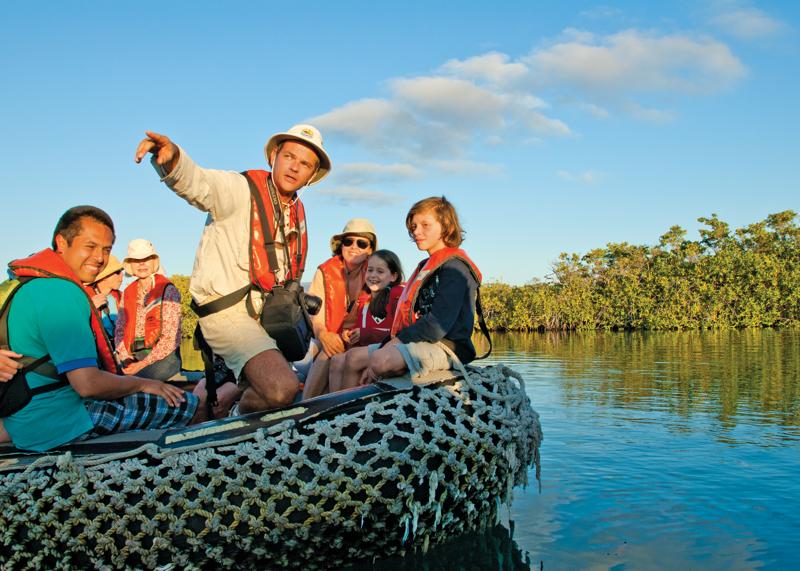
(552, 126)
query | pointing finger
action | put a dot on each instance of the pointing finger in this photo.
(144, 147)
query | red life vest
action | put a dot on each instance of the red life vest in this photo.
(49, 264)
(261, 274)
(153, 310)
(406, 315)
(335, 291)
(372, 329)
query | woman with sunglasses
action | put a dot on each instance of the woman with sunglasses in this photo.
(339, 282)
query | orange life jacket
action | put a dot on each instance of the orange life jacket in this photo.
(261, 274)
(406, 315)
(153, 311)
(49, 264)
(335, 286)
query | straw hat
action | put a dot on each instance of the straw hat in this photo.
(356, 227)
(139, 249)
(309, 135)
(112, 267)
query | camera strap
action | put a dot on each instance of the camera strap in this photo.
(269, 233)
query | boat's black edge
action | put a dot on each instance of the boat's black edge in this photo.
(323, 406)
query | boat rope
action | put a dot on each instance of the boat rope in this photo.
(394, 472)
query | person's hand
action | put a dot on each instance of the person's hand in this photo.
(8, 364)
(99, 300)
(332, 344)
(165, 151)
(133, 368)
(368, 376)
(351, 336)
(172, 394)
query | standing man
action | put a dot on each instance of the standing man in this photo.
(232, 267)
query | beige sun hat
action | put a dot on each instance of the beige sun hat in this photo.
(112, 267)
(139, 249)
(356, 227)
(309, 135)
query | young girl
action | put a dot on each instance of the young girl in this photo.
(436, 308)
(376, 311)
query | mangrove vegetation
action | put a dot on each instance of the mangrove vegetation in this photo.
(747, 277)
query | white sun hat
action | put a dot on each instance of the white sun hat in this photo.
(139, 249)
(309, 135)
(356, 227)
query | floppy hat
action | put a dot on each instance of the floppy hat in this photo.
(139, 249)
(112, 267)
(309, 135)
(357, 227)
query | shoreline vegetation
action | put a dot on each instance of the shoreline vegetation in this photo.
(745, 278)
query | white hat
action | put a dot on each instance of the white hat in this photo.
(309, 135)
(139, 249)
(112, 267)
(356, 227)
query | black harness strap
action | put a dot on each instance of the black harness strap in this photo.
(482, 323)
(208, 366)
(220, 303)
(42, 365)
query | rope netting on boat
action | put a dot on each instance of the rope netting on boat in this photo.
(385, 475)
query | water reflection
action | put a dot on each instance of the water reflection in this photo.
(494, 549)
(728, 374)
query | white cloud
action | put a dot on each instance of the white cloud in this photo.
(747, 23)
(649, 114)
(347, 195)
(439, 122)
(595, 110)
(464, 167)
(587, 177)
(493, 67)
(635, 62)
(358, 174)
(381, 125)
(451, 100)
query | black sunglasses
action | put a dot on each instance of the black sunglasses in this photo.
(360, 242)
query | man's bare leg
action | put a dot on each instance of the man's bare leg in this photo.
(272, 383)
(317, 378)
(385, 362)
(336, 372)
(227, 394)
(355, 361)
(4, 437)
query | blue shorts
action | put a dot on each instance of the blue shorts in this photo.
(139, 411)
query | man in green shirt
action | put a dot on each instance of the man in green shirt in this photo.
(52, 315)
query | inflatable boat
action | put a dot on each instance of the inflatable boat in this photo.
(361, 474)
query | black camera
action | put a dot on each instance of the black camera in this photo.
(311, 303)
(285, 318)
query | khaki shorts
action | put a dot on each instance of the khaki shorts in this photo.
(235, 336)
(422, 358)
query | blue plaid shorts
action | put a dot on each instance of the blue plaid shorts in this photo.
(139, 411)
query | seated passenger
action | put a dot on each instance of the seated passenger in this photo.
(375, 313)
(339, 282)
(78, 393)
(148, 331)
(107, 296)
(436, 309)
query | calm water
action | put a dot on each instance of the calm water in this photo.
(661, 450)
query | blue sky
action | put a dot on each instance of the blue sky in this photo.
(553, 126)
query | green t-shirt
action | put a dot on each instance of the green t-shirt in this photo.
(51, 316)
